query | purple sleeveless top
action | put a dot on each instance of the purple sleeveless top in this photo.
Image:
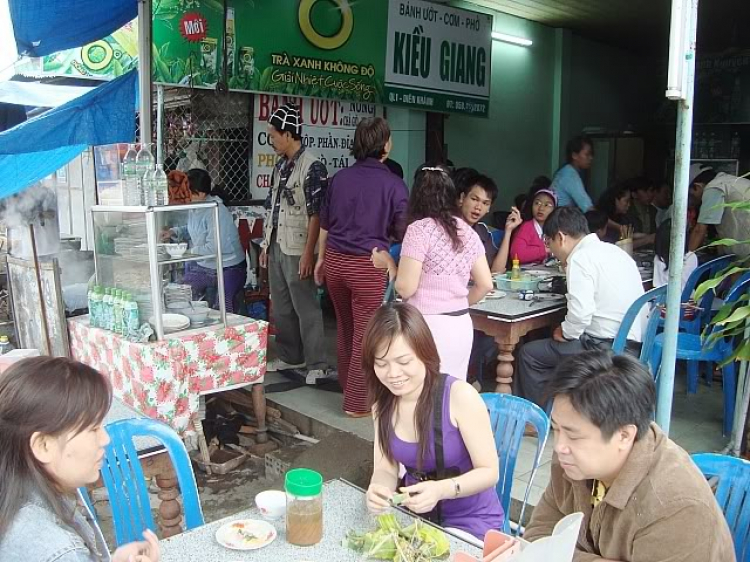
(475, 514)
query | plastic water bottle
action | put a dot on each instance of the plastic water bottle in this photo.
(117, 312)
(94, 306)
(107, 310)
(144, 163)
(160, 186)
(131, 315)
(5, 345)
(131, 195)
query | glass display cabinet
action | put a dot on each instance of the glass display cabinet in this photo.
(134, 252)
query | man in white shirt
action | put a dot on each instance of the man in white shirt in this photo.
(603, 281)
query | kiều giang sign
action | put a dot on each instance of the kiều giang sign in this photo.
(438, 58)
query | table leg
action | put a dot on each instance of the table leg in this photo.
(259, 407)
(504, 371)
(170, 511)
(202, 445)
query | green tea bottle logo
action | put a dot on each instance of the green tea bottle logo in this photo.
(326, 42)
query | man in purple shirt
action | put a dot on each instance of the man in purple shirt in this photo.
(364, 208)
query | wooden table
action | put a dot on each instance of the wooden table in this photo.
(343, 509)
(507, 320)
(156, 463)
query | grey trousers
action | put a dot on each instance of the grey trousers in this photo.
(536, 365)
(295, 310)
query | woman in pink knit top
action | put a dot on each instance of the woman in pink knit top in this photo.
(528, 245)
(439, 255)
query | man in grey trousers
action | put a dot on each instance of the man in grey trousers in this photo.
(603, 281)
(291, 228)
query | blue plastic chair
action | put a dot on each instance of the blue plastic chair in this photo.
(697, 323)
(654, 297)
(732, 494)
(508, 416)
(702, 273)
(692, 347)
(497, 237)
(126, 485)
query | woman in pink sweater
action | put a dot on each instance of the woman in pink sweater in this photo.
(528, 244)
(439, 255)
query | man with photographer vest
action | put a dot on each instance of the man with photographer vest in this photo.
(298, 186)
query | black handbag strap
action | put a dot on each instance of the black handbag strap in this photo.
(437, 429)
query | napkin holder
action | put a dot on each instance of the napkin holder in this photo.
(498, 547)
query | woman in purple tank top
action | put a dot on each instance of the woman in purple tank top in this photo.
(413, 404)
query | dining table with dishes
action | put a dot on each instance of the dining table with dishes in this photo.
(532, 300)
(332, 524)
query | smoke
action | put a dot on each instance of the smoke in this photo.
(36, 205)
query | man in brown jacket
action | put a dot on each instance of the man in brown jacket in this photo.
(642, 497)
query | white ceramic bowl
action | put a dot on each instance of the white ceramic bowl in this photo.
(272, 504)
(197, 315)
(176, 251)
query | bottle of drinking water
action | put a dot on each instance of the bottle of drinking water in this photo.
(161, 186)
(149, 195)
(144, 163)
(106, 316)
(130, 195)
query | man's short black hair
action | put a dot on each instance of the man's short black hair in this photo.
(705, 177)
(568, 220)
(466, 178)
(610, 390)
(596, 220)
(486, 183)
(463, 179)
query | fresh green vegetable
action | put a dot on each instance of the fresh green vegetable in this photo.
(398, 499)
(419, 542)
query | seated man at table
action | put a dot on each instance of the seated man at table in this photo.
(603, 281)
(642, 497)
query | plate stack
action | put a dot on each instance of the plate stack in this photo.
(176, 293)
(140, 252)
(145, 308)
(172, 322)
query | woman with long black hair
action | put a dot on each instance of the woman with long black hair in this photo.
(440, 254)
(451, 468)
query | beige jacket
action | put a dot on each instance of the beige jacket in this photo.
(293, 219)
(660, 509)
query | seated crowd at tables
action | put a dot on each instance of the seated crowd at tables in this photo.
(405, 364)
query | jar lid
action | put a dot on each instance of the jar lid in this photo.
(303, 482)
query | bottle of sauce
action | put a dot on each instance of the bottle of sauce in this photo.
(515, 272)
(304, 507)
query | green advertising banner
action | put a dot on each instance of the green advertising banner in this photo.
(107, 58)
(316, 48)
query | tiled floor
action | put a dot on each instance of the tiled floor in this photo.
(696, 426)
(696, 422)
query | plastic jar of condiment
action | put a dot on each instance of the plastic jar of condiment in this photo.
(304, 507)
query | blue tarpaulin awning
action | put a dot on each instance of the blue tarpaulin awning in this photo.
(43, 27)
(38, 147)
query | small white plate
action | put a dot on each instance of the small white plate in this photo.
(246, 534)
(538, 272)
(495, 294)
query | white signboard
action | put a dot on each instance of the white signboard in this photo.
(327, 131)
(438, 58)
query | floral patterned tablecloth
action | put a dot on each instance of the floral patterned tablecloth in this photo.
(164, 380)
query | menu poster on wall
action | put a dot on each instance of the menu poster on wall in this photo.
(327, 131)
(438, 58)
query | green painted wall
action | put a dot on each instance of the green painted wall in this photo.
(514, 144)
(543, 95)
